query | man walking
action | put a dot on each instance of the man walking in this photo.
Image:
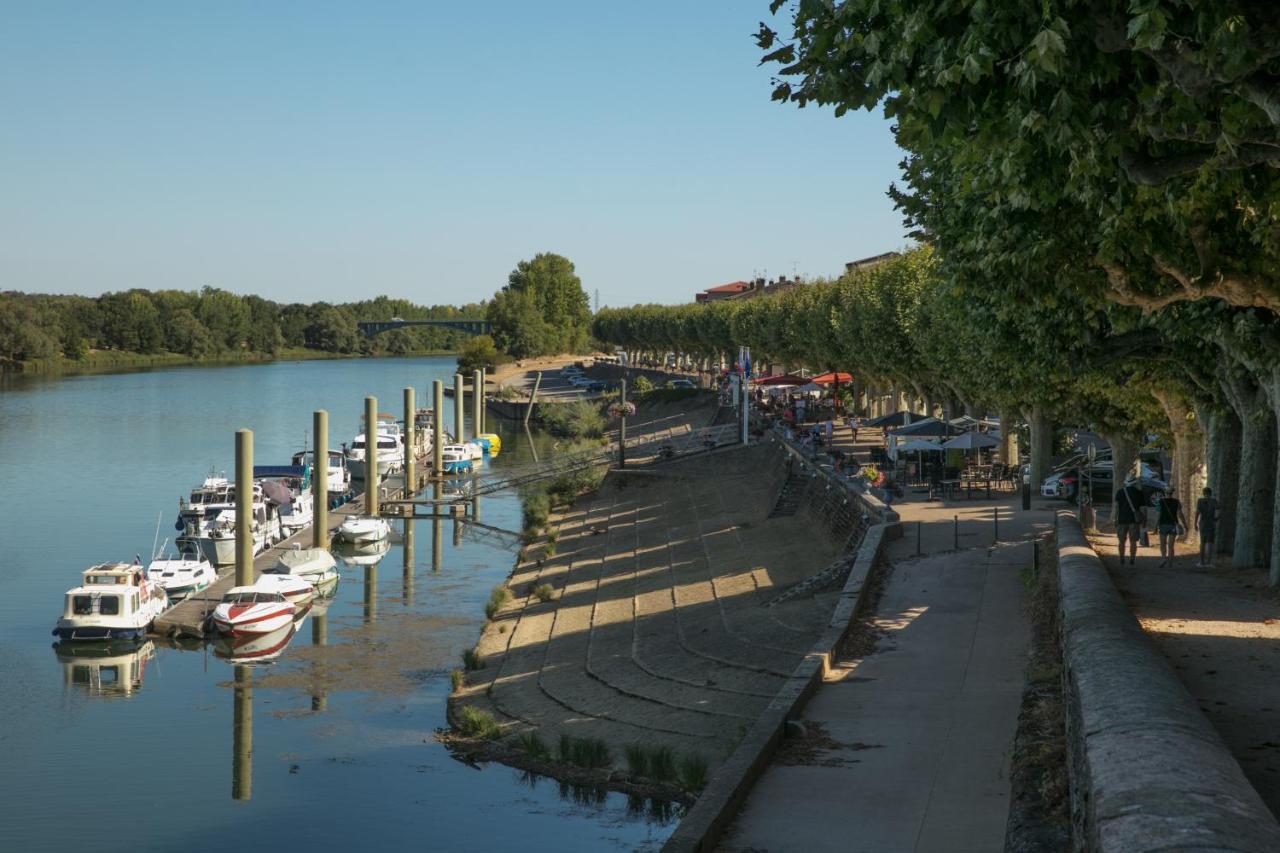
(1129, 503)
(1171, 524)
(1207, 524)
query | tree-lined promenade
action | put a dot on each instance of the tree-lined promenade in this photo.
(1097, 184)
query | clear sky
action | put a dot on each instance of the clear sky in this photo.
(317, 150)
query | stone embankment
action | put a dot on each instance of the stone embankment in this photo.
(1148, 771)
(656, 630)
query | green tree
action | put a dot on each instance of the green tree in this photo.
(543, 309)
(478, 353)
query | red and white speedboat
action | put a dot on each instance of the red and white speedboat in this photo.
(299, 592)
(249, 611)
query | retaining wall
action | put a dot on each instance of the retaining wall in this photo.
(1148, 771)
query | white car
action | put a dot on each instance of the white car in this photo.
(579, 381)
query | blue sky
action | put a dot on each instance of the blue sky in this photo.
(311, 150)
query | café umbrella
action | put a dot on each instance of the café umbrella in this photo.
(970, 441)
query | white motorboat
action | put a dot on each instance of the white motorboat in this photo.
(364, 555)
(115, 601)
(105, 669)
(315, 565)
(297, 591)
(475, 450)
(182, 574)
(192, 510)
(363, 529)
(390, 444)
(246, 611)
(339, 476)
(215, 531)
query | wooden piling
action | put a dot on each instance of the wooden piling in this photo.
(320, 480)
(459, 409)
(370, 456)
(244, 507)
(410, 446)
(477, 402)
(437, 428)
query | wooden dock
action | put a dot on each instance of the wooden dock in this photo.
(187, 618)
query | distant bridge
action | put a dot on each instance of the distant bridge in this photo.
(376, 327)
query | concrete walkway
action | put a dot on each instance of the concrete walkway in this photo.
(908, 748)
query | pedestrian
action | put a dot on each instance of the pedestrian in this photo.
(1170, 524)
(854, 423)
(1129, 502)
(829, 430)
(1207, 524)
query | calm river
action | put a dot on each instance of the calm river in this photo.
(137, 753)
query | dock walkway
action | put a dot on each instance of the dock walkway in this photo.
(187, 617)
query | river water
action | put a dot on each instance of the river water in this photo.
(335, 748)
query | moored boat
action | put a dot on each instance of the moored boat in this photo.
(455, 459)
(314, 565)
(115, 601)
(491, 441)
(248, 611)
(363, 529)
(297, 591)
(182, 574)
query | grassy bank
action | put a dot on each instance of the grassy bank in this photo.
(105, 361)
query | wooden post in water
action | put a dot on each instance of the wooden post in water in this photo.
(410, 447)
(242, 735)
(320, 480)
(459, 430)
(484, 406)
(477, 402)
(244, 507)
(437, 427)
(370, 456)
(528, 410)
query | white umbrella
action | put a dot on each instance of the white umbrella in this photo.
(970, 441)
(811, 388)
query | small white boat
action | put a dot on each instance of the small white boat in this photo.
(297, 591)
(363, 529)
(339, 476)
(181, 575)
(247, 611)
(315, 565)
(476, 450)
(390, 443)
(115, 601)
(456, 459)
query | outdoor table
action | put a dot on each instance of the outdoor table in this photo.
(951, 487)
(971, 481)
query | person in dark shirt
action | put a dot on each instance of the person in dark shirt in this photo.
(1207, 524)
(1129, 503)
(1171, 522)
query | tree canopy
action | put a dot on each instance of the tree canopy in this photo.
(542, 310)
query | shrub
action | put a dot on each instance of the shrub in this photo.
(456, 678)
(530, 742)
(544, 592)
(479, 353)
(579, 419)
(497, 597)
(471, 660)
(479, 723)
(642, 385)
(537, 507)
(693, 772)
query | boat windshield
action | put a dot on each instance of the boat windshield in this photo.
(387, 443)
(87, 605)
(252, 597)
(358, 444)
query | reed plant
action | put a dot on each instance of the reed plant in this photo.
(456, 678)
(472, 660)
(544, 592)
(693, 773)
(530, 742)
(479, 723)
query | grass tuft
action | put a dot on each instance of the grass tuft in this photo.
(497, 597)
(637, 759)
(662, 764)
(693, 773)
(530, 742)
(479, 723)
(456, 678)
(472, 660)
(544, 592)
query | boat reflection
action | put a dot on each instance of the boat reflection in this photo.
(363, 555)
(112, 669)
(256, 650)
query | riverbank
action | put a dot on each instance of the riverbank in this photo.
(113, 361)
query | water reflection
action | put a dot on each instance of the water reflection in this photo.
(320, 637)
(408, 562)
(256, 649)
(105, 669)
(363, 555)
(242, 736)
(595, 797)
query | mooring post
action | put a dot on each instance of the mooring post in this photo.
(410, 446)
(484, 404)
(320, 480)
(956, 532)
(622, 429)
(477, 402)
(437, 427)
(244, 507)
(528, 410)
(459, 432)
(370, 456)
(242, 735)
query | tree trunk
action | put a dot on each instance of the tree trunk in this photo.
(1271, 386)
(1222, 450)
(1124, 459)
(1256, 490)
(1041, 444)
(1187, 477)
(1008, 450)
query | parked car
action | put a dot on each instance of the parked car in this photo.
(1101, 483)
(596, 385)
(680, 383)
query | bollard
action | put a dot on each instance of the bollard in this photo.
(320, 480)
(371, 456)
(410, 446)
(919, 524)
(1026, 495)
(437, 427)
(956, 532)
(459, 433)
(244, 507)
(995, 523)
(1035, 557)
(477, 402)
